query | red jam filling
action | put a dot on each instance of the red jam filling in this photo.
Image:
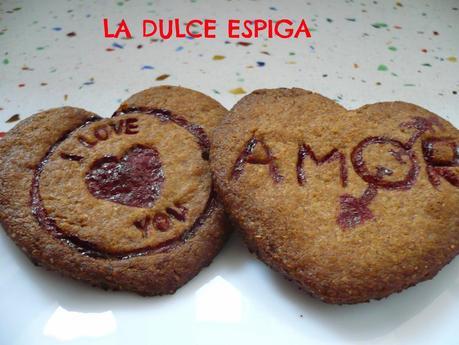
(134, 180)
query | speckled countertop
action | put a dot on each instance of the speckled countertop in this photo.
(53, 53)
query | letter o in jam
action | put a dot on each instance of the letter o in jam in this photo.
(361, 168)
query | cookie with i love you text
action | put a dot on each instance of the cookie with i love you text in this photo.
(125, 202)
(350, 205)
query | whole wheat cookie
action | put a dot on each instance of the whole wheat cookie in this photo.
(124, 203)
(350, 205)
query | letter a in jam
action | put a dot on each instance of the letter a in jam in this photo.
(248, 156)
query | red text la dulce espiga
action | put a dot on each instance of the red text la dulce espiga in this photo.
(207, 28)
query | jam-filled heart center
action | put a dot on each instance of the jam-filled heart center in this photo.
(132, 180)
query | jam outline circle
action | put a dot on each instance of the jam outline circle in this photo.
(89, 249)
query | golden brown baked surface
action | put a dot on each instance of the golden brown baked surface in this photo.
(351, 205)
(124, 203)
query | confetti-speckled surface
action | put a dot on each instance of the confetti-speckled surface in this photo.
(53, 53)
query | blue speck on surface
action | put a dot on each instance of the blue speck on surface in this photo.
(260, 63)
(117, 45)
(57, 28)
(147, 67)
(178, 49)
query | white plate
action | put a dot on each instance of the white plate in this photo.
(237, 299)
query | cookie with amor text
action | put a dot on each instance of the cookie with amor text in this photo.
(350, 205)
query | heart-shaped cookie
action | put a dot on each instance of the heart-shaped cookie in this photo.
(351, 205)
(125, 202)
